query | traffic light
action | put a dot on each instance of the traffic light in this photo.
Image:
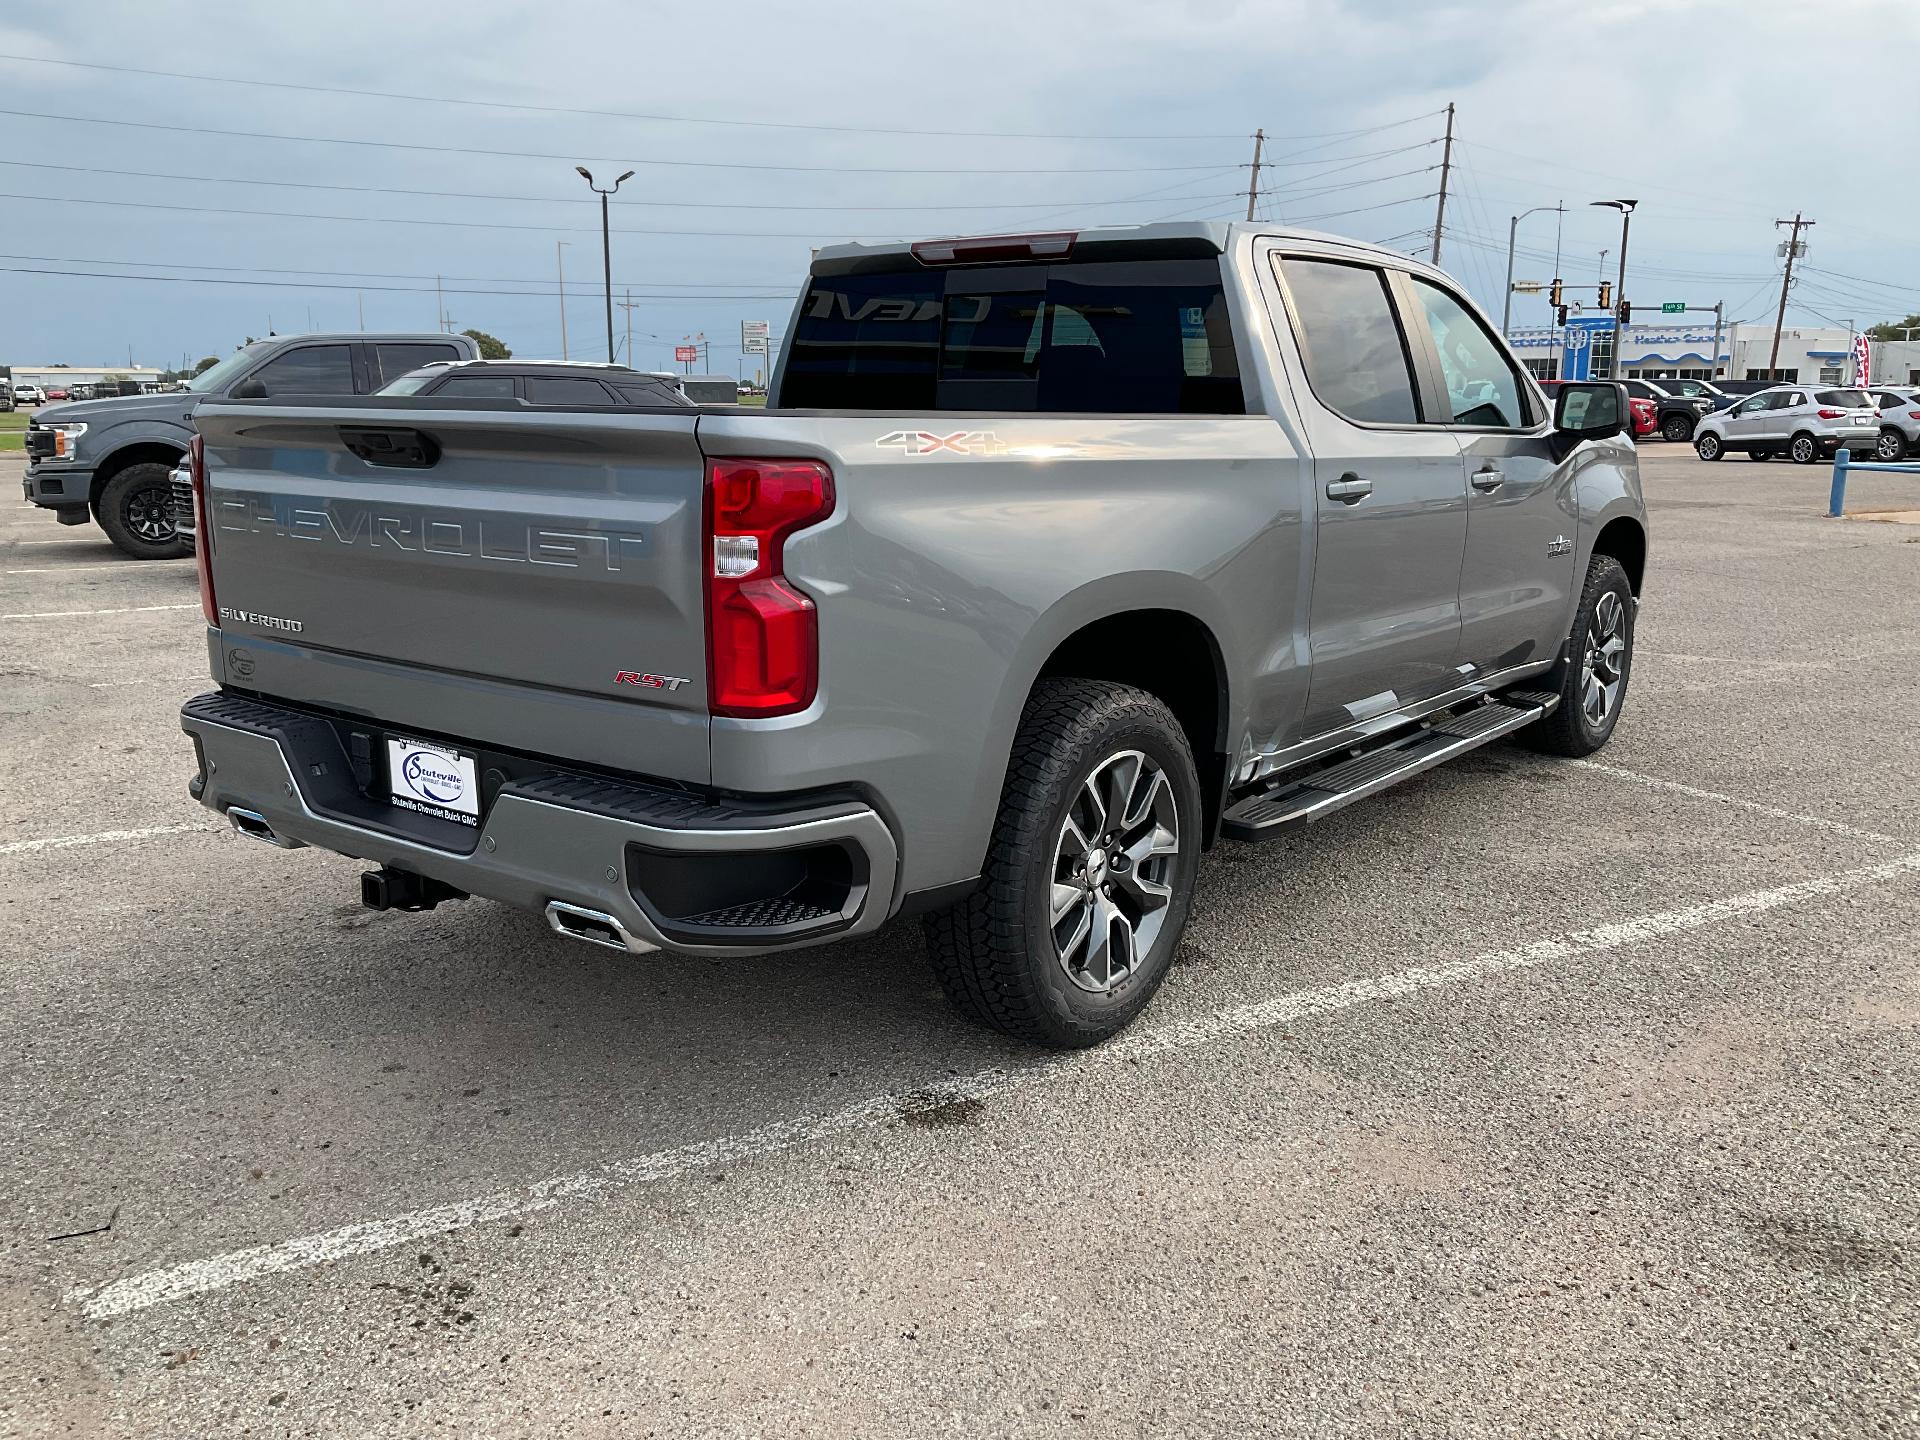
(1606, 294)
(1626, 313)
(1560, 316)
(1553, 299)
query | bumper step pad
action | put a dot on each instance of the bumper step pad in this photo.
(1300, 800)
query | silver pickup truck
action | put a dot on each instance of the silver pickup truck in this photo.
(1054, 560)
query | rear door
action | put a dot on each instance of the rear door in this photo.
(1521, 513)
(1390, 494)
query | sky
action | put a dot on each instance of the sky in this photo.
(240, 168)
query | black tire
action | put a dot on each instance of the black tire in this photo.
(1804, 449)
(995, 952)
(1708, 446)
(1892, 446)
(134, 508)
(1569, 730)
(1677, 428)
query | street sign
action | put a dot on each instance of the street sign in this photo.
(753, 337)
(1528, 287)
(686, 354)
(1673, 307)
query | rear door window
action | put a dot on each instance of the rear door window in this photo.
(392, 359)
(553, 390)
(1148, 336)
(1356, 357)
(477, 387)
(309, 370)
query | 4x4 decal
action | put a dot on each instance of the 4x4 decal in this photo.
(960, 442)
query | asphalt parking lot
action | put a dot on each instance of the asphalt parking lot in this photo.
(1529, 1098)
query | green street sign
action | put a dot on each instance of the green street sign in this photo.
(1673, 307)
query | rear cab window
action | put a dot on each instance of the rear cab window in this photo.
(1142, 336)
(1356, 356)
(308, 370)
(392, 359)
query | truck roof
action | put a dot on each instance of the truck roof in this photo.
(1217, 235)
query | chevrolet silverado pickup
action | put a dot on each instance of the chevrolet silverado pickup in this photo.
(108, 459)
(1054, 560)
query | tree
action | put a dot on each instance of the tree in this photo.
(206, 363)
(490, 348)
(1896, 329)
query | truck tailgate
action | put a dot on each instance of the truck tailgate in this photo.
(528, 579)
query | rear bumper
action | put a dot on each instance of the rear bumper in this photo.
(672, 870)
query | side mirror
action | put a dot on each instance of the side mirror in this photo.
(1591, 409)
(248, 389)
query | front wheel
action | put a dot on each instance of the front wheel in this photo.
(1804, 449)
(1598, 664)
(1089, 875)
(136, 511)
(1708, 447)
(1677, 428)
(1892, 446)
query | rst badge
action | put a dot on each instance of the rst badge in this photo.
(648, 681)
(925, 442)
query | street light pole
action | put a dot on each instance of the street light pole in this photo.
(1625, 207)
(606, 244)
(560, 271)
(1513, 230)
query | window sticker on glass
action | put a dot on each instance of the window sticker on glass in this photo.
(1195, 352)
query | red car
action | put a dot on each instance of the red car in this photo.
(56, 395)
(1646, 414)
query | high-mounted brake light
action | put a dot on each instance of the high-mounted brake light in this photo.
(763, 634)
(203, 532)
(1053, 245)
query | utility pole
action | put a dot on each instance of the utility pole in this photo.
(1446, 169)
(360, 305)
(629, 305)
(1786, 281)
(439, 306)
(1253, 184)
(560, 269)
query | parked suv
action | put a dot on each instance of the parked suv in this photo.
(1806, 422)
(1899, 422)
(1055, 559)
(1675, 415)
(575, 385)
(108, 458)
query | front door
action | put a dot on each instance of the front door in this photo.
(1748, 419)
(1522, 517)
(1390, 500)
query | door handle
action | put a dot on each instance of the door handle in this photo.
(1349, 489)
(1488, 479)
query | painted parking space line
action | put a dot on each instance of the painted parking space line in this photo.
(220, 1272)
(1755, 807)
(76, 614)
(102, 837)
(137, 567)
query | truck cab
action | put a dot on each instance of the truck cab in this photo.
(108, 459)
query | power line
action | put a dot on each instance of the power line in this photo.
(609, 159)
(662, 119)
(533, 199)
(327, 285)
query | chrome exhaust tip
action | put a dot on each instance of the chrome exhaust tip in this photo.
(253, 825)
(596, 927)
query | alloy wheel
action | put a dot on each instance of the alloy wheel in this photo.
(1604, 669)
(1112, 874)
(1802, 452)
(1892, 446)
(150, 513)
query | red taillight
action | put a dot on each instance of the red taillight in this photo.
(1913, 414)
(1833, 414)
(763, 635)
(202, 531)
(1054, 245)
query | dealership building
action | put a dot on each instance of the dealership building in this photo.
(1583, 350)
(59, 377)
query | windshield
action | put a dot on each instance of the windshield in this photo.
(215, 377)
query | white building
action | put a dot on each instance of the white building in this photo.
(1816, 354)
(59, 377)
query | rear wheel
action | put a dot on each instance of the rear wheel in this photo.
(1089, 876)
(136, 511)
(1677, 428)
(1892, 446)
(1804, 449)
(1593, 677)
(1708, 447)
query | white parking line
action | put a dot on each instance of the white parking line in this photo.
(199, 1277)
(74, 614)
(138, 567)
(103, 837)
(1752, 806)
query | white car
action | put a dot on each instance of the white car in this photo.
(1808, 422)
(24, 394)
(1899, 421)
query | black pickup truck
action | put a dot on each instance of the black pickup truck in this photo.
(1674, 415)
